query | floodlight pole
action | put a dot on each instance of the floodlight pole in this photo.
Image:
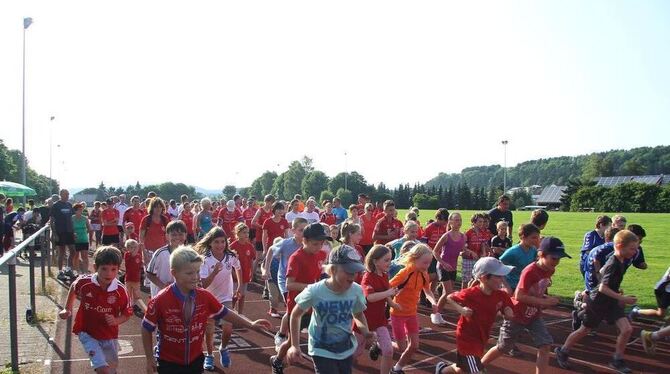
(346, 171)
(504, 143)
(26, 23)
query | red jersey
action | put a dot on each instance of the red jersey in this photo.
(360, 208)
(475, 240)
(179, 342)
(94, 216)
(384, 227)
(248, 214)
(134, 265)
(328, 218)
(534, 281)
(135, 216)
(376, 311)
(154, 237)
(246, 253)
(228, 220)
(96, 303)
(275, 229)
(187, 218)
(433, 233)
(378, 214)
(472, 333)
(107, 215)
(368, 225)
(259, 224)
(305, 268)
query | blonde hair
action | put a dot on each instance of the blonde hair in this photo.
(376, 252)
(414, 254)
(500, 224)
(183, 256)
(348, 228)
(155, 201)
(625, 237)
(406, 246)
(240, 227)
(130, 243)
(410, 225)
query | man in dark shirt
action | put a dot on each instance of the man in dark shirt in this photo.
(501, 213)
(61, 217)
(607, 303)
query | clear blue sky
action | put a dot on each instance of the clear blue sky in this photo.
(407, 90)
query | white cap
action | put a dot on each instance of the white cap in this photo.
(230, 205)
(490, 265)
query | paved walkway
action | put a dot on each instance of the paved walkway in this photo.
(33, 339)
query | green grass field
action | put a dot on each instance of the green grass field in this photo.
(570, 228)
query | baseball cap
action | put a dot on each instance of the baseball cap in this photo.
(230, 205)
(348, 258)
(553, 246)
(315, 231)
(490, 265)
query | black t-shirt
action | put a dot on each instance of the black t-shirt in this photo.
(498, 215)
(61, 212)
(612, 276)
(502, 243)
(44, 213)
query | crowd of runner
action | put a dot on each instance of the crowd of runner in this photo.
(344, 274)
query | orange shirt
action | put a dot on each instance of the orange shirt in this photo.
(412, 282)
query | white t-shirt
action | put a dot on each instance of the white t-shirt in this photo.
(173, 213)
(159, 265)
(290, 216)
(121, 207)
(310, 217)
(222, 285)
(665, 280)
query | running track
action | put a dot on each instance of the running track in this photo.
(251, 350)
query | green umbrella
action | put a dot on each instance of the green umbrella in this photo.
(15, 189)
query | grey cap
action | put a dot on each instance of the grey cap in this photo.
(490, 265)
(347, 257)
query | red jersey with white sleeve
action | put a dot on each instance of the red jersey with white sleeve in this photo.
(472, 333)
(534, 281)
(384, 227)
(187, 218)
(248, 214)
(96, 303)
(228, 220)
(134, 265)
(328, 218)
(475, 240)
(246, 253)
(433, 233)
(180, 342)
(304, 268)
(135, 217)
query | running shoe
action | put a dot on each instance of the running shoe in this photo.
(620, 366)
(393, 371)
(279, 340)
(375, 351)
(225, 358)
(440, 365)
(648, 344)
(277, 366)
(562, 358)
(209, 363)
(634, 312)
(577, 301)
(436, 319)
(576, 321)
(273, 313)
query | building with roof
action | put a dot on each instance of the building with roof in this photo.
(659, 180)
(551, 196)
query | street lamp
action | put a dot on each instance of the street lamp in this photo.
(26, 23)
(51, 121)
(346, 171)
(504, 143)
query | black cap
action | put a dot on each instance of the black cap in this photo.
(553, 246)
(315, 231)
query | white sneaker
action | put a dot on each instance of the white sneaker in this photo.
(436, 319)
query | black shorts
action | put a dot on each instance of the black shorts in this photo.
(469, 363)
(445, 276)
(259, 247)
(432, 269)
(252, 234)
(110, 239)
(190, 238)
(596, 313)
(662, 298)
(65, 238)
(120, 228)
(195, 367)
(81, 246)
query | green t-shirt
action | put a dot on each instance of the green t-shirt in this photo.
(80, 229)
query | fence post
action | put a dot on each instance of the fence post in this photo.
(31, 249)
(42, 255)
(49, 249)
(13, 332)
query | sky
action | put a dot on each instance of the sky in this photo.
(211, 93)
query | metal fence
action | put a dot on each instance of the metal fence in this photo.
(39, 240)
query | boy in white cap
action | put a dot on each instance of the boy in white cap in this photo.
(478, 305)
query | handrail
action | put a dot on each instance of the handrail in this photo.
(16, 250)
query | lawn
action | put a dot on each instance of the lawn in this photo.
(570, 228)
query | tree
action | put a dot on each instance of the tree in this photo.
(424, 201)
(229, 191)
(464, 196)
(293, 179)
(356, 183)
(574, 185)
(313, 183)
(307, 164)
(278, 187)
(520, 199)
(346, 197)
(326, 195)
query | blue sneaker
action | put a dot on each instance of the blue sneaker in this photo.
(225, 358)
(209, 363)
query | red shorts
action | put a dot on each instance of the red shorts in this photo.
(403, 326)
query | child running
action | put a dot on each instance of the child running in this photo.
(103, 307)
(521, 255)
(246, 253)
(446, 252)
(216, 276)
(132, 258)
(378, 295)
(336, 302)
(607, 302)
(158, 270)
(501, 241)
(529, 300)
(411, 280)
(593, 239)
(478, 306)
(180, 313)
(477, 247)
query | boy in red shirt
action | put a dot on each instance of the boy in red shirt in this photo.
(229, 217)
(246, 253)
(180, 313)
(110, 220)
(529, 299)
(134, 215)
(186, 216)
(327, 215)
(132, 258)
(304, 268)
(276, 226)
(103, 307)
(388, 227)
(248, 215)
(478, 306)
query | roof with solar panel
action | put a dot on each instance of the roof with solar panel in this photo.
(645, 179)
(551, 194)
